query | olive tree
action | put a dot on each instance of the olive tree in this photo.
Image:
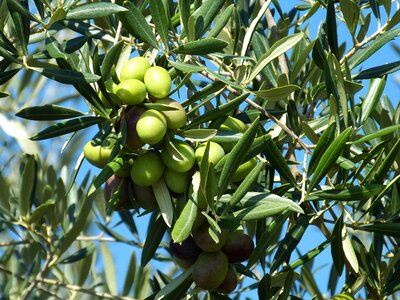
(168, 149)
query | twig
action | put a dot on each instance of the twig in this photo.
(262, 110)
(71, 287)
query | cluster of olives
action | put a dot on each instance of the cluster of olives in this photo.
(213, 262)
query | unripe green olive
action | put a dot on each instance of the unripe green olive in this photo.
(132, 118)
(215, 153)
(158, 82)
(210, 269)
(175, 181)
(97, 155)
(179, 164)
(131, 91)
(175, 118)
(151, 127)
(233, 125)
(244, 169)
(134, 68)
(147, 168)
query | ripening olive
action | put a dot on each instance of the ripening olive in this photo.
(186, 250)
(131, 91)
(230, 282)
(158, 82)
(132, 118)
(147, 168)
(175, 118)
(182, 161)
(120, 187)
(204, 240)
(238, 246)
(151, 127)
(215, 153)
(244, 169)
(134, 68)
(144, 196)
(210, 270)
(97, 155)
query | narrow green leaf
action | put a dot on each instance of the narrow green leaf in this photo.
(351, 13)
(329, 157)
(389, 229)
(348, 250)
(218, 111)
(183, 225)
(184, 9)
(201, 47)
(54, 48)
(331, 29)
(160, 18)
(28, 184)
(377, 134)
(67, 127)
(4, 95)
(235, 157)
(137, 25)
(205, 15)
(278, 93)
(373, 96)
(366, 52)
(40, 211)
(94, 10)
(183, 279)
(199, 135)
(111, 59)
(67, 76)
(79, 255)
(308, 256)
(384, 167)
(378, 71)
(185, 67)
(155, 234)
(353, 193)
(290, 242)
(394, 21)
(130, 275)
(277, 49)
(278, 162)
(222, 21)
(110, 274)
(48, 112)
(7, 75)
(78, 225)
(246, 184)
(164, 201)
(337, 246)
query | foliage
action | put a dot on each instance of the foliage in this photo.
(325, 135)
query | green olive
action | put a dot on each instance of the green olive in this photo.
(134, 68)
(147, 168)
(97, 155)
(175, 181)
(233, 124)
(151, 127)
(244, 169)
(215, 153)
(131, 91)
(158, 82)
(182, 161)
(175, 118)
